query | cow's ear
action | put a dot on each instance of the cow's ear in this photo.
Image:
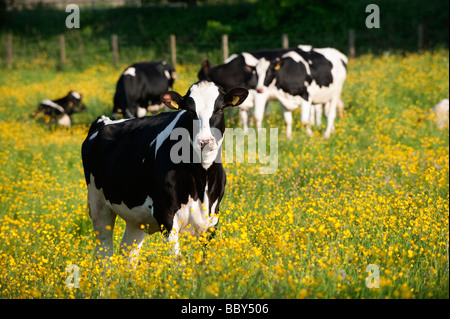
(235, 96)
(206, 65)
(172, 100)
(278, 65)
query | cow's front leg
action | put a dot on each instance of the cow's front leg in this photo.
(132, 241)
(288, 120)
(243, 115)
(317, 116)
(260, 103)
(306, 117)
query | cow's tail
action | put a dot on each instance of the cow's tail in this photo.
(98, 124)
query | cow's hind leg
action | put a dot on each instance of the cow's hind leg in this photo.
(132, 241)
(318, 110)
(103, 221)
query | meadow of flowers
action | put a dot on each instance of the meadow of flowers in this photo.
(376, 193)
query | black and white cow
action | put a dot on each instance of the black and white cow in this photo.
(133, 169)
(306, 76)
(140, 86)
(60, 110)
(240, 70)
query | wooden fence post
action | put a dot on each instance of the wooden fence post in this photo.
(420, 36)
(9, 51)
(62, 47)
(173, 49)
(351, 43)
(225, 46)
(285, 41)
(115, 50)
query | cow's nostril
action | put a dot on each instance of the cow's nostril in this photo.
(206, 141)
(260, 90)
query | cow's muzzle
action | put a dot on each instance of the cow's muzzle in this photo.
(208, 141)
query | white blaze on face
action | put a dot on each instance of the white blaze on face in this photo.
(205, 95)
(261, 71)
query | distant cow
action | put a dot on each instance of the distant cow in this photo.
(140, 86)
(60, 110)
(131, 169)
(441, 116)
(239, 70)
(305, 76)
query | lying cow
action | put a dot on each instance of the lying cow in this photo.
(131, 169)
(306, 77)
(239, 70)
(60, 110)
(140, 86)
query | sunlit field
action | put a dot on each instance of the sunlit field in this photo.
(375, 193)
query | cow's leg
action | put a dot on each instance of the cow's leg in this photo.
(172, 236)
(132, 241)
(172, 239)
(267, 109)
(103, 221)
(318, 109)
(288, 120)
(312, 117)
(260, 103)
(306, 117)
(331, 117)
(243, 115)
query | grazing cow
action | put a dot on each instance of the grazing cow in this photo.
(239, 70)
(304, 76)
(133, 169)
(140, 86)
(60, 110)
(441, 116)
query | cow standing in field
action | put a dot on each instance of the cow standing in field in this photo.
(60, 110)
(307, 77)
(133, 169)
(239, 70)
(140, 86)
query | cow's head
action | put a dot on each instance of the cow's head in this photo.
(204, 103)
(261, 70)
(271, 71)
(74, 103)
